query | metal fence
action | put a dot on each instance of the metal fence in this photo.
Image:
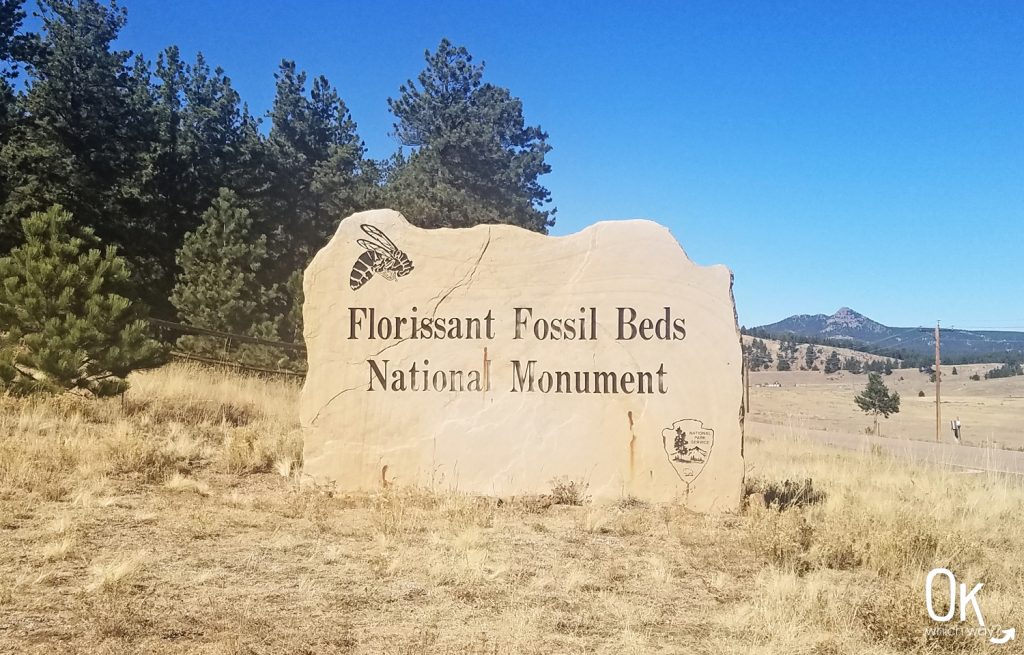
(169, 326)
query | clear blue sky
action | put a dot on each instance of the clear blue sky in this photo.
(860, 154)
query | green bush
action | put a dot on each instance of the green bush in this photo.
(66, 314)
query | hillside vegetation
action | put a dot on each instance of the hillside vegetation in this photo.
(774, 347)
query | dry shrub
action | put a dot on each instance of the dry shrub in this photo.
(36, 454)
(529, 503)
(399, 510)
(636, 520)
(785, 494)
(852, 564)
(250, 450)
(892, 615)
(569, 492)
(314, 505)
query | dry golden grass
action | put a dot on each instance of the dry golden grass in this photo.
(991, 411)
(178, 522)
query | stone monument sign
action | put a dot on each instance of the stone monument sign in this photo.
(494, 359)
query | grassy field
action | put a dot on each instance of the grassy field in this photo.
(990, 411)
(178, 521)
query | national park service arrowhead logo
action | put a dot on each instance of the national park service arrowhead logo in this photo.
(688, 445)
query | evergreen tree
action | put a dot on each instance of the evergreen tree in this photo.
(315, 169)
(201, 140)
(788, 348)
(473, 158)
(832, 364)
(83, 130)
(783, 364)
(877, 399)
(811, 357)
(757, 355)
(14, 48)
(218, 288)
(219, 142)
(67, 321)
(1009, 369)
(853, 365)
(290, 327)
(12, 13)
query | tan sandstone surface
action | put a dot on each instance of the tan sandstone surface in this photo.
(495, 360)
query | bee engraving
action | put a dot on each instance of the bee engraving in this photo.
(382, 257)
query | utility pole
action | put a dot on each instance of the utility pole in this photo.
(938, 379)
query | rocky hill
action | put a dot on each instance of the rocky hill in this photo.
(859, 331)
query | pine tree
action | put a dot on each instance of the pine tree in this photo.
(290, 325)
(201, 140)
(832, 364)
(811, 357)
(83, 131)
(219, 288)
(315, 169)
(757, 355)
(219, 142)
(68, 323)
(11, 51)
(787, 351)
(12, 13)
(877, 399)
(473, 160)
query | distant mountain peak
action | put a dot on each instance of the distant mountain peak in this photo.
(847, 325)
(847, 319)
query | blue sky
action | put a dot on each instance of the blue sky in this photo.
(862, 154)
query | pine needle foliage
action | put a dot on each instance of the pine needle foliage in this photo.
(877, 399)
(66, 322)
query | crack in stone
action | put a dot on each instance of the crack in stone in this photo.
(389, 346)
(332, 399)
(586, 260)
(467, 279)
(464, 282)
